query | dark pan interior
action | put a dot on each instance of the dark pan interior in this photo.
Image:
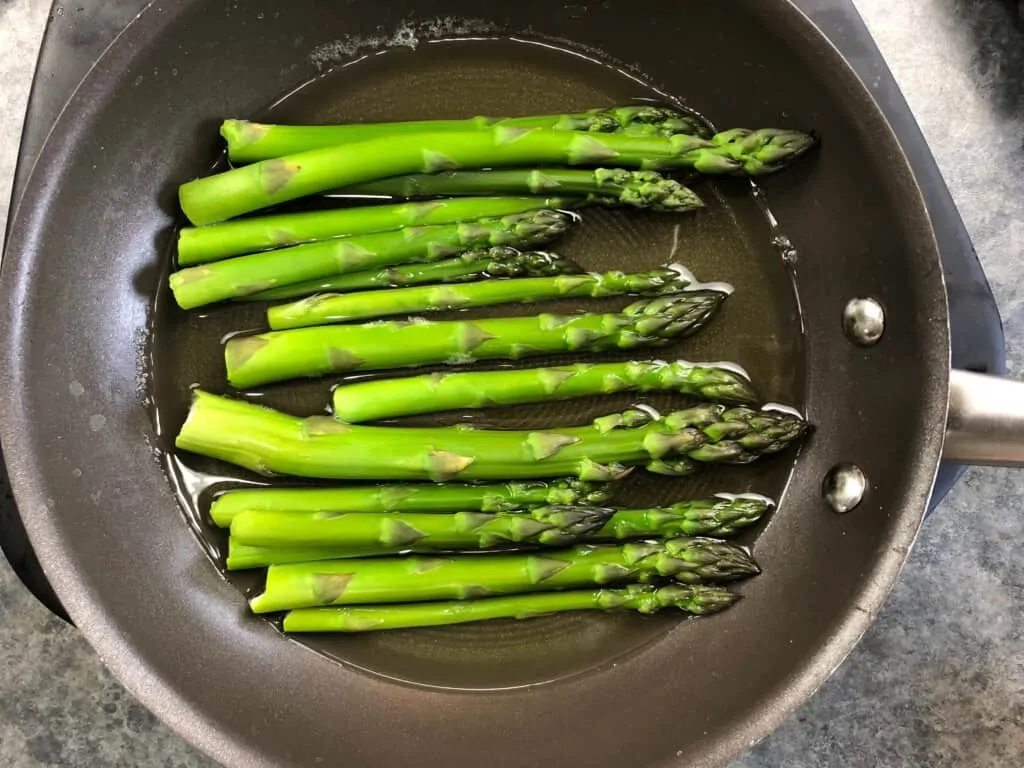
(79, 431)
(731, 241)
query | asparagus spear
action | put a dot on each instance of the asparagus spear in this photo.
(677, 466)
(383, 532)
(270, 182)
(246, 275)
(242, 557)
(498, 261)
(695, 599)
(466, 577)
(721, 515)
(506, 497)
(429, 393)
(270, 442)
(601, 186)
(268, 537)
(307, 352)
(323, 309)
(198, 245)
(248, 142)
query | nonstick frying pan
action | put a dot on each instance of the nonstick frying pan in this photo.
(89, 358)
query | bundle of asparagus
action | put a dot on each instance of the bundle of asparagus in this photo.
(245, 275)
(305, 352)
(410, 497)
(291, 162)
(280, 535)
(248, 141)
(601, 186)
(289, 177)
(539, 537)
(198, 245)
(497, 261)
(320, 557)
(643, 598)
(411, 579)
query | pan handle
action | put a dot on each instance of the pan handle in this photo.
(985, 424)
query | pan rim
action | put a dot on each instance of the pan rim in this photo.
(127, 663)
(84, 607)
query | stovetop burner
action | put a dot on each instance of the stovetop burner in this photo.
(74, 39)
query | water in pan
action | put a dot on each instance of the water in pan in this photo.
(759, 328)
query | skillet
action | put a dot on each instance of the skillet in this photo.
(127, 566)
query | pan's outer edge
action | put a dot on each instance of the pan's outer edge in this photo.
(877, 589)
(123, 660)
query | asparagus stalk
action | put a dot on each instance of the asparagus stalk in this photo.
(243, 557)
(199, 245)
(601, 186)
(645, 599)
(676, 466)
(505, 497)
(270, 182)
(308, 352)
(257, 272)
(248, 141)
(466, 577)
(498, 261)
(295, 537)
(270, 442)
(429, 393)
(386, 532)
(323, 309)
(721, 515)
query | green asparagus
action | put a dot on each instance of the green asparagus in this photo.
(471, 576)
(243, 557)
(498, 261)
(198, 245)
(326, 308)
(601, 186)
(429, 393)
(308, 352)
(695, 599)
(723, 515)
(677, 466)
(248, 141)
(270, 442)
(418, 532)
(246, 275)
(270, 182)
(507, 497)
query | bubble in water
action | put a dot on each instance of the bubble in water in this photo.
(405, 35)
(785, 247)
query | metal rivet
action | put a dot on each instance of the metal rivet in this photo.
(844, 487)
(863, 321)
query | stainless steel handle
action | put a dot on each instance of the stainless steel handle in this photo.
(985, 424)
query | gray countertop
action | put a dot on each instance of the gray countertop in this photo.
(938, 680)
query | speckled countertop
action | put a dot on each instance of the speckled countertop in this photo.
(938, 681)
